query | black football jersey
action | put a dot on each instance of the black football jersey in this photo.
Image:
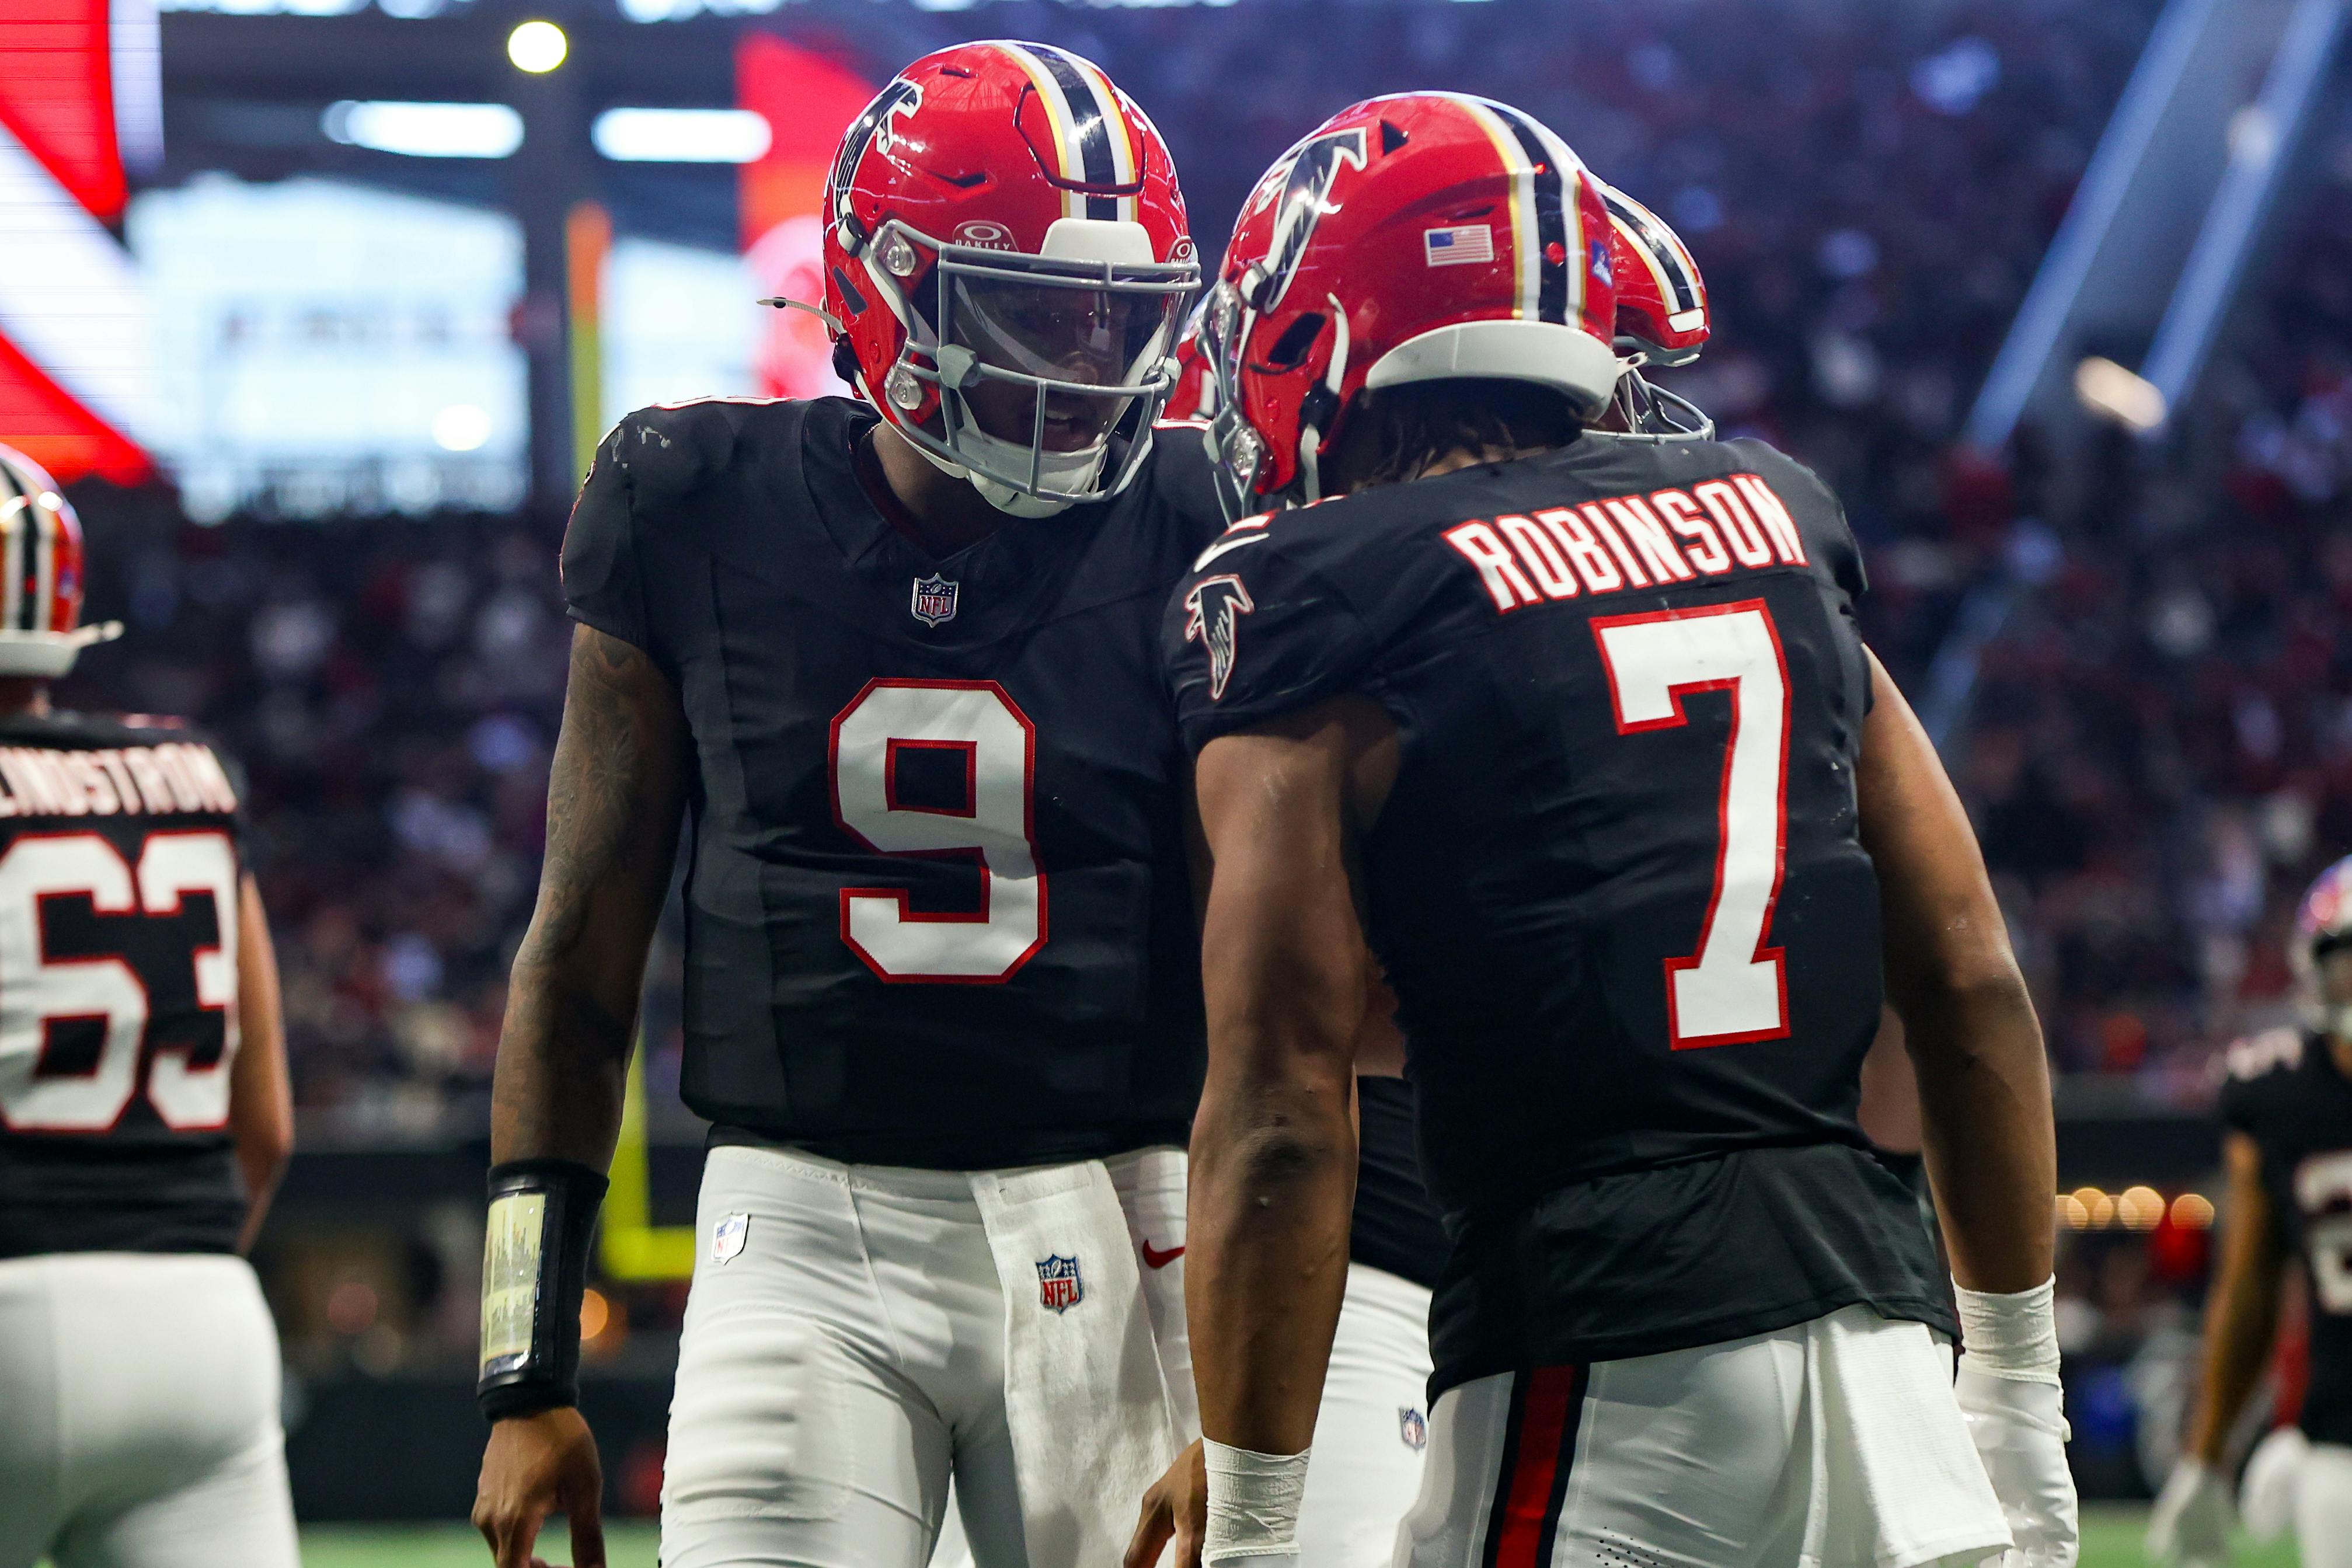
(1618, 884)
(938, 909)
(121, 857)
(2285, 1093)
(1396, 1227)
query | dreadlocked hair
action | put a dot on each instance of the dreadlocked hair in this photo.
(1413, 426)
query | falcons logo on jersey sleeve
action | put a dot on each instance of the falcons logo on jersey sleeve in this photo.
(1217, 604)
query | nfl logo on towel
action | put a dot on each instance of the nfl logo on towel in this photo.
(935, 600)
(1455, 246)
(728, 1236)
(1058, 1287)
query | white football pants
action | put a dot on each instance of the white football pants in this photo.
(2323, 1507)
(1373, 1430)
(843, 1355)
(1370, 1434)
(1834, 1444)
(139, 1423)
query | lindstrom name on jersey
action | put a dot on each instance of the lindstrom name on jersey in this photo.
(155, 781)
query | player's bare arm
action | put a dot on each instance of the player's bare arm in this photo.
(1289, 981)
(2242, 1312)
(1989, 1135)
(615, 797)
(261, 1100)
(1984, 1083)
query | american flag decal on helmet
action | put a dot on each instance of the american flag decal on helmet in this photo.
(1217, 604)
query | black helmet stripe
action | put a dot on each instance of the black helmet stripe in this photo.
(1661, 251)
(1092, 125)
(1551, 221)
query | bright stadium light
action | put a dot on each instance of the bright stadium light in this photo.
(461, 428)
(537, 46)
(682, 135)
(426, 130)
(2108, 390)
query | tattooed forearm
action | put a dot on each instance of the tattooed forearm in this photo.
(613, 800)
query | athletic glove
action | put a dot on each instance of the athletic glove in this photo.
(2020, 1435)
(2266, 1493)
(2189, 1527)
(2008, 1389)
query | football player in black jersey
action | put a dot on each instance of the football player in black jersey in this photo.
(893, 665)
(1581, 716)
(144, 1114)
(2288, 1105)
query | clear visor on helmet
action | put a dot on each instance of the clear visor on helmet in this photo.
(1059, 364)
(1050, 370)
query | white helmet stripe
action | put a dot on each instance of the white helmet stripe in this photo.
(16, 523)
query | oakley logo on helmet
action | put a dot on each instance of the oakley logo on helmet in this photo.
(982, 235)
(1305, 199)
(1217, 604)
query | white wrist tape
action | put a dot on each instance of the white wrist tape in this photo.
(1253, 1502)
(2014, 1336)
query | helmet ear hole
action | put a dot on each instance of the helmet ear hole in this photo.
(1290, 349)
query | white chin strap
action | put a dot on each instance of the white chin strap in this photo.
(1056, 471)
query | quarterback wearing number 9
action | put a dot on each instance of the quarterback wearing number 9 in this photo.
(891, 661)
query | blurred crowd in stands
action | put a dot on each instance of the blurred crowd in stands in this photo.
(2161, 741)
(2161, 753)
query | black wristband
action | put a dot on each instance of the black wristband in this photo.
(534, 1272)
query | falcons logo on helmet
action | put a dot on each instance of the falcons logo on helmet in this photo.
(1217, 606)
(1307, 177)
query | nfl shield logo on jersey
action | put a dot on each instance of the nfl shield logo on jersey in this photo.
(1058, 1287)
(935, 600)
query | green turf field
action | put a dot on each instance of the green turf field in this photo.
(2110, 1540)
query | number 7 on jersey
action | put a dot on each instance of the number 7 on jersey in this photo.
(1733, 988)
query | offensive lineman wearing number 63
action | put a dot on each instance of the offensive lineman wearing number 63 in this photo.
(144, 1113)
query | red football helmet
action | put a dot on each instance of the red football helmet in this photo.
(1420, 237)
(41, 632)
(1662, 315)
(1005, 258)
